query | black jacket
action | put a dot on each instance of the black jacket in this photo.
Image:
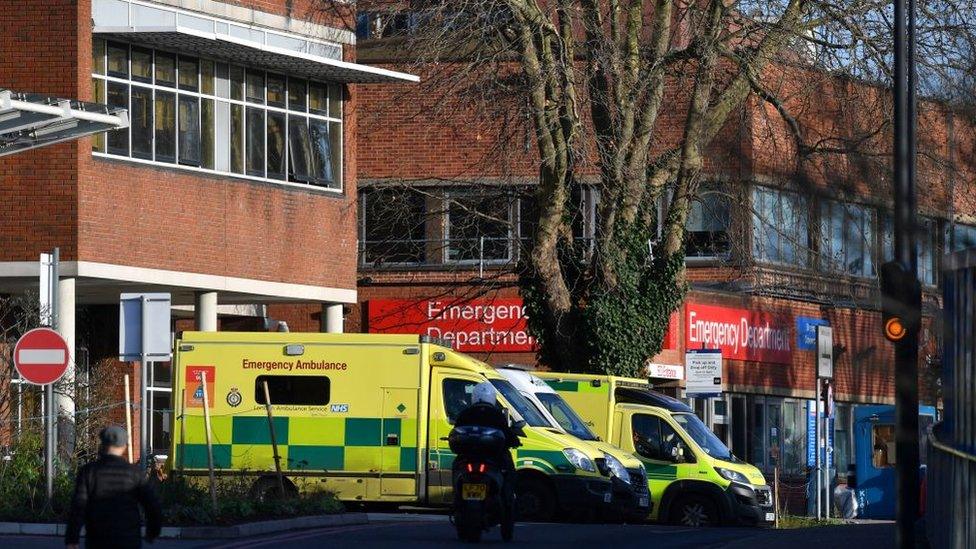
(108, 493)
(485, 415)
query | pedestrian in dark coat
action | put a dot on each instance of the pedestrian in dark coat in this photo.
(107, 498)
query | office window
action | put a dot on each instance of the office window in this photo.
(142, 60)
(255, 142)
(141, 122)
(236, 83)
(223, 118)
(165, 69)
(276, 145)
(98, 56)
(165, 126)
(98, 96)
(118, 60)
(318, 98)
(708, 224)
(189, 75)
(255, 87)
(207, 145)
(394, 226)
(296, 94)
(276, 90)
(478, 227)
(964, 236)
(237, 138)
(189, 130)
(118, 140)
(847, 238)
(293, 390)
(780, 227)
(206, 77)
(926, 247)
(323, 157)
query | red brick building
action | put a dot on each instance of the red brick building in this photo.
(778, 243)
(233, 188)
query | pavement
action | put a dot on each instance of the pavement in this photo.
(408, 531)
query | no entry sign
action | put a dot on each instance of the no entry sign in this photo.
(41, 356)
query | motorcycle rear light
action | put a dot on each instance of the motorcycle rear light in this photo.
(481, 468)
(470, 468)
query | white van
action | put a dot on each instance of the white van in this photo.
(630, 494)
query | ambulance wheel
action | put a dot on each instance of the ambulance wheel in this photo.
(534, 500)
(267, 488)
(694, 511)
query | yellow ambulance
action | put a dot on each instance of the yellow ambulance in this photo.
(693, 478)
(365, 416)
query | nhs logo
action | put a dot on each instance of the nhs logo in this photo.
(340, 408)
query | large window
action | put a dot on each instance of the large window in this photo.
(847, 238)
(201, 114)
(963, 237)
(707, 228)
(655, 439)
(393, 226)
(927, 237)
(479, 227)
(780, 227)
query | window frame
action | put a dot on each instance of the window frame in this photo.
(451, 195)
(801, 205)
(708, 190)
(100, 77)
(837, 261)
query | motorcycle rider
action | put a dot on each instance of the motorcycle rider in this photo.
(485, 411)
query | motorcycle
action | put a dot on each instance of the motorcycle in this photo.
(480, 498)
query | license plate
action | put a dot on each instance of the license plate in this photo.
(643, 502)
(606, 497)
(474, 491)
(770, 517)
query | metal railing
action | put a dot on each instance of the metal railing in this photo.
(481, 252)
(950, 506)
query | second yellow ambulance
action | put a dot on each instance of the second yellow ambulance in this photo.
(694, 479)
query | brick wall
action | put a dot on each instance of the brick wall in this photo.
(38, 189)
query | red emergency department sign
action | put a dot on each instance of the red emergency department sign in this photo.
(477, 325)
(41, 356)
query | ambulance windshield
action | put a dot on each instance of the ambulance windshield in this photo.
(518, 402)
(704, 437)
(566, 416)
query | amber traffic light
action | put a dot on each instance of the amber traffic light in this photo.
(894, 329)
(901, 296)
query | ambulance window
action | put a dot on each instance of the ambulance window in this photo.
(654, 439)
(457, 396)
(293, 390)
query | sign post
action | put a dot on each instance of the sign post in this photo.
(825, 372)
(48, 309)
(41, 357)
(144, 336)
(703, 373)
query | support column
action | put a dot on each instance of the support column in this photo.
(332, 318)
(64, 396)
(205, 311)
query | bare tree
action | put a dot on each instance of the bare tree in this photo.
(637, 96)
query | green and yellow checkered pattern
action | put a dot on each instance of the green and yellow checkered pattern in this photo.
(304, 443)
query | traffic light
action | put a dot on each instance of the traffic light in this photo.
(901, 301)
